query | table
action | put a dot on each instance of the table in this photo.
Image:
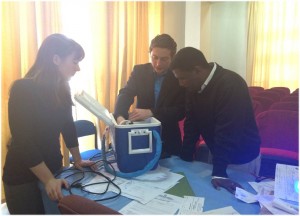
(198, 175)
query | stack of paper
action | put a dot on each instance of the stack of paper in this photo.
(148, 193)
(278, 197)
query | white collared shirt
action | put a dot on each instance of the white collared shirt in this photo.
(208, 78)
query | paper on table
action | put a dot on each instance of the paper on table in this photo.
(292, 209)
(140, 192)
(191, 205)
(267, 202)
(286, 181)
(245, 196)
(264, 187)
(162, 204)
(228, 210)
(144, 191)
(165, 184)
(160, 173)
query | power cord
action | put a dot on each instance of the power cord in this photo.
(79, 185)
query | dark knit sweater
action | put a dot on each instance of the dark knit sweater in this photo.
(35, 126)
(222, 113)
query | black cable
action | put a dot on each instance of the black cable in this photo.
(261, 178)
(77, 183)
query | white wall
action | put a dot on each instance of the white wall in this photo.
(229, 35)
(192, 24)
(219, 29)
(174, 22)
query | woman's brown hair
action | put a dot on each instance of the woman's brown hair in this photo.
(46, 74)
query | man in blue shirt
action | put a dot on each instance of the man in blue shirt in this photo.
(158, 94)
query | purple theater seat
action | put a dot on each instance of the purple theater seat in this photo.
(257, 107)
(253, 91)
(282, 91)
(274, 95)
(279, 153)
(292, 105)
(258, 88)
(295, 92)
(294, 98)
(278, 130)
(265, 102)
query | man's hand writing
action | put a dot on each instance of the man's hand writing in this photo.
(120, 119)
(140, 114)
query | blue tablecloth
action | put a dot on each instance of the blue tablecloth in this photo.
(198, 175)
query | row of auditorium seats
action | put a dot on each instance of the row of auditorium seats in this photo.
(273, 98)
(277, 117)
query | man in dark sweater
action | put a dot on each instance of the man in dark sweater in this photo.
(219, 108)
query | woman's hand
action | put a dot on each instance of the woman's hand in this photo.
(52, 185)
(83, 163)
(53, 188)
(225, 183)
(78, 162)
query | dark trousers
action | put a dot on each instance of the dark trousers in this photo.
(24, 199)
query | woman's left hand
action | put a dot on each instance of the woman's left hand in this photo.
(83, 163)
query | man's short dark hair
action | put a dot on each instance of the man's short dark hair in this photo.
(187, 58)
(164, 41)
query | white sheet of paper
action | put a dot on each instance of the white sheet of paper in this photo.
(165, 184)
(286, 179)
(160, 173)
(245, 196)
(164, 204)
(287, 207)
(264, 187)
(139, 192)
(228, 210)
(191, 205)
(266, 201)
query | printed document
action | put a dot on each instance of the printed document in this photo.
(245, 196)
(164, 204)
(228, 210)
(287, 182)
(139, 188)
(263, 187)
(191, 205)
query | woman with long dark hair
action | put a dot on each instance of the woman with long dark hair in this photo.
(39, 110)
